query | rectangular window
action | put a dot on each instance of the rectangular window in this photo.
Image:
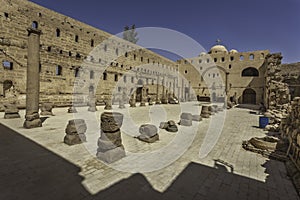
(116, 77)
(7, 65)
(58, 70)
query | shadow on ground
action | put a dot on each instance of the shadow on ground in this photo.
(28, 171)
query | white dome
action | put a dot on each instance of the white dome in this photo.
(233, 51)
(218, 48)
(202, 53)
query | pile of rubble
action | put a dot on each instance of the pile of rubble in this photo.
(290, 130)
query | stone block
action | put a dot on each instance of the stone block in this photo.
(33, 123)
(111, 121)
(187, 116)
(111, 155)
(197, 118)
(146, 138)
(172, 128)
(148, 130)
(185, 122)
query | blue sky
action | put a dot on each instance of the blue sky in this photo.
(242, 25)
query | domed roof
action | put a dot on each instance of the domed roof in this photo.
(233, 51)
(202, 53)
(218, 48)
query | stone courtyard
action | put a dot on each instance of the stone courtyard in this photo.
(36, 164)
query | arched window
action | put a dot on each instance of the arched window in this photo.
(57, 32)
(104, 76)
(105, 47)
(76, 38)
(116, 77)
(124, 78)
(126, 54)
(241, 57)
(250, 71)
(34, 25)
(117, 51)
(251, 57)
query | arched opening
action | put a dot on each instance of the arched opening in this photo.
(140, 82)
(57, 32)
(34, 25)
(91, 90)
(7, 84)
(249, 96)
(250, 71)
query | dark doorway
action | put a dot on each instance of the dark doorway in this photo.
(7, 84)
(249, 96)
(139, 94)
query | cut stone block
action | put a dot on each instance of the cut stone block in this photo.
(111, 155)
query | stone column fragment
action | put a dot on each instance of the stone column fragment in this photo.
(110, 147)
(75, 132)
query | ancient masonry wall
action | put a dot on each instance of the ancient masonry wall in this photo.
(69, 51)
(290, 129)
(277, 95)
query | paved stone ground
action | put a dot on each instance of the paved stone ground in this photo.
(36, 164)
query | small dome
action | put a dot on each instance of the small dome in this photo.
(202, 53)
(218, 48)
(233, 51)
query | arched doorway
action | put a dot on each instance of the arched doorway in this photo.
(249, 96)
(7, 84)
(139, 90)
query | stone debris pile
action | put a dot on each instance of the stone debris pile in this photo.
(170, 126)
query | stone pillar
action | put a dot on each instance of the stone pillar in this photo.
(32, 118)
(110, 147)
(205, 112)
(108, 104)
(143, 97)
(132, 100)
(92, 103)
(122, 99)
(157, 92)
(75, 132)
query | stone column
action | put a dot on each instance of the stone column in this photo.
(33, 80)
(143, 97)
(132, 100)
(157, 92)
(110, 147)
(108, 104)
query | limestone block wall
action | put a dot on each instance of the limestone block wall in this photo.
(208, 70)
(74, 54)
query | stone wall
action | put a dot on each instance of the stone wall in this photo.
(277, 94)
(69, 51)
(290, 129)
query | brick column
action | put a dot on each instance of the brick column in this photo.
(33, 80)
